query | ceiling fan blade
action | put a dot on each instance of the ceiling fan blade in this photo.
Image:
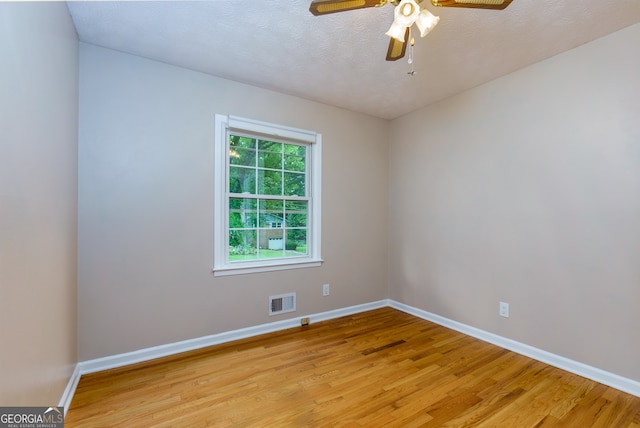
(479, 4)
(397, 48)
(322, 7)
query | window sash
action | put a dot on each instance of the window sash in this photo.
(261, 220)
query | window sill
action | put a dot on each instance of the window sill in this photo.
(242, 270)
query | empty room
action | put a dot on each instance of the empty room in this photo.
(320, 213)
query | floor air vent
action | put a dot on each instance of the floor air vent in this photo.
(282, 303)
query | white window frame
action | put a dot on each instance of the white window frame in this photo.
(221, 264)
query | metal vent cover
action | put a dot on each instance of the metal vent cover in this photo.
(282, 303)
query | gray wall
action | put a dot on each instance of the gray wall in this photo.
(146, 201)
(527, 190)
(38, 201)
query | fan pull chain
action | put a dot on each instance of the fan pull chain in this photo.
(411, 71)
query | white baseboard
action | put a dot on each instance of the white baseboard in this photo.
(607, 378)
(119, 360)
(67, 395)
(146, 354)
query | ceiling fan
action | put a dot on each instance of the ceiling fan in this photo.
(407, 12)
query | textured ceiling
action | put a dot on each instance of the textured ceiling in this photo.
(339, 59)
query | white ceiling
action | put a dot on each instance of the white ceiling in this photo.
(339, 59)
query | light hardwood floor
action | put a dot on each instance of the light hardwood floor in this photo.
(382, 368)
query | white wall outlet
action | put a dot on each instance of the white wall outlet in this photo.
(504, 309)
(326, 289)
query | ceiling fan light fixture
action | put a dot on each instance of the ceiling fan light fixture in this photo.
(406, 13)
(397, 31)
(426, 22)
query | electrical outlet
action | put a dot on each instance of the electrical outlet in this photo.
(326, 289)
(504, 309)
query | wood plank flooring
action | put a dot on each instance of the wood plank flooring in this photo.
(382, 368)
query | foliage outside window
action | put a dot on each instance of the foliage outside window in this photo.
(267, 197)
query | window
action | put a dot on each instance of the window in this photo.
(267, 197)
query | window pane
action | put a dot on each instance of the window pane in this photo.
(242, 245)
(237, 141)
(269, 182)
(294, 149)
(294, 163)
(294, 184)
(242, 213)
(270, 160)
(271, 204)
(242, 180)
(298, 207)
(271, 243)
(296, 213)
(239, 156)
(270, 146)
(296, 244)
(271, 214)
(242, 203)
